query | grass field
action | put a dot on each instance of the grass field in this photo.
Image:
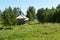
(47, 31)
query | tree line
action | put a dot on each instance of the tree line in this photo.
(45, 15)
(8, 16)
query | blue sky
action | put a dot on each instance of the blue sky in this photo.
(24, 4)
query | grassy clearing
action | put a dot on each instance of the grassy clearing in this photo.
(47, 31)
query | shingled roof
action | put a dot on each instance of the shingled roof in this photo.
(22, 17)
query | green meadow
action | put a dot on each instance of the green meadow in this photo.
(46, 31)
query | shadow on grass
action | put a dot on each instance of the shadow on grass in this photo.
(1, 28)
(6, 28)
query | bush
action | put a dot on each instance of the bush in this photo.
(32, 23)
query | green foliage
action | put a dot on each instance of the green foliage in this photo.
(9, 17)
(32, 23)
(49, 15)
(19, 12)
(41, 15)
(57, 16)
(0, 15)
(58, 7)
(31, 13)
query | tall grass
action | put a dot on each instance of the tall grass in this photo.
(47, 31)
